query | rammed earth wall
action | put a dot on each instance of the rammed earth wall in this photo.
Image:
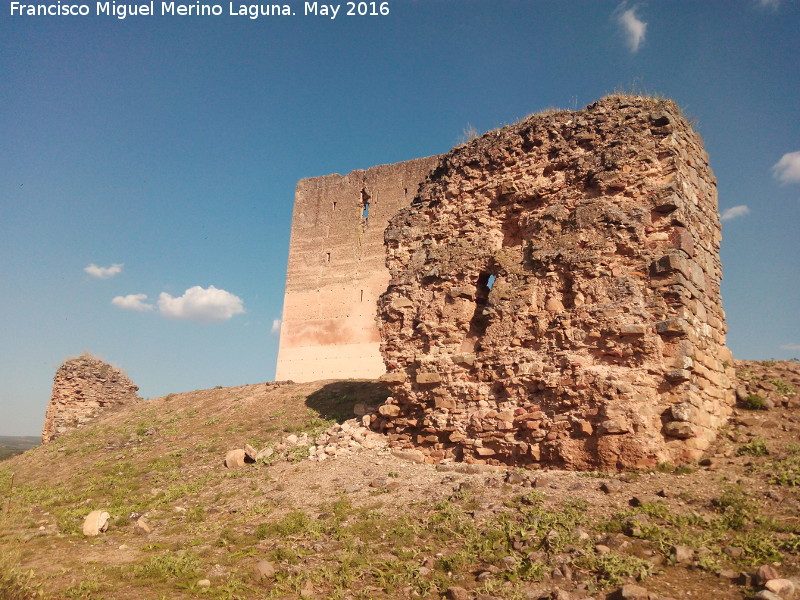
(337, 270)
(555, 295)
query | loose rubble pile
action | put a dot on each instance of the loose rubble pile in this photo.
(554, 296)
(337, 441)
(82, 387)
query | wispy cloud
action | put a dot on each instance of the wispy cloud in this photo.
(132, 302)
(770, 4)
(103, 272)
(734, 211)
(794, 347)
(276, 327)
(632, 26)
(787, 169)
(201, 305)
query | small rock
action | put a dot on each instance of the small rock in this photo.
(682, 555)
(413, 455)
(141, 526)
(307, 590)
(612, 486)
(767, 595)
(250, 452)
(559, 594)
(630, 591)
(291, 439)
(457, 593)
(96, 523)
(234, 458)
(783, 587)
(508, 561)
(764, 573)
(264, 570)
(264, 453)
(514, 478)
(204, 583)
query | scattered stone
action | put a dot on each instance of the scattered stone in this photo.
(96, 523)
(612, 486)
(250, 452)
(785, 588)
(767, 595)
(764, 573)
(264, 570)
(630, 591)
(235, 458)
(204, 583)
(142, 527)
(682, 555)
(264, 454)
(457, 593)
(416, 456)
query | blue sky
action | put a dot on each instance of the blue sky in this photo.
(157, 156)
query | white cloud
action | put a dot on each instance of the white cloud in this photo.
(200, 305)
(132, 302)
(103, 272)
(787, 169)
(734, 211)
(276, 327)
(771, 4)
(632, 26)
(794, 347)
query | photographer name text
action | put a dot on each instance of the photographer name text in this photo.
(250, 10)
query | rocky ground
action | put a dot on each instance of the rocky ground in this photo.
(315, 506)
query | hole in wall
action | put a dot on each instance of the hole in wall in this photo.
(480, 318)
(362, 295)
(327, 257)
(334, 205)
(365, 198)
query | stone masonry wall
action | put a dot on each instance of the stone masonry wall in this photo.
(554, 296)
(82, 387)
(337, 270)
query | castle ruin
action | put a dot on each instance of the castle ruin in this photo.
(555, 296)
(337, 270)
(82, 388)
(552, 293)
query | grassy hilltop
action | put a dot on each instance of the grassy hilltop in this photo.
(374, 525)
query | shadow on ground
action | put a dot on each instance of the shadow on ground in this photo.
(336, 400)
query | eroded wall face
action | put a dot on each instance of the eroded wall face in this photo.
(337, 270)
(554, 296)
(82, 388)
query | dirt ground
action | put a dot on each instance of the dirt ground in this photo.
(371, 524)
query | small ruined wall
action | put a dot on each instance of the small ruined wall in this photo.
(554, 296)
(82, 387)
(337, 270)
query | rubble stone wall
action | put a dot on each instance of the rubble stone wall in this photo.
(82, 387)
(555, 296)
(337, 270)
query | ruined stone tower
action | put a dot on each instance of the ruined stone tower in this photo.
(337, 270)
(82, 387)
(554, 295)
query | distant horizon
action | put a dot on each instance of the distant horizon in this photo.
(149, 163)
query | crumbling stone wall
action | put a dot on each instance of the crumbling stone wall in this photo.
(337, 270)
(82, 387)
(554, 296)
